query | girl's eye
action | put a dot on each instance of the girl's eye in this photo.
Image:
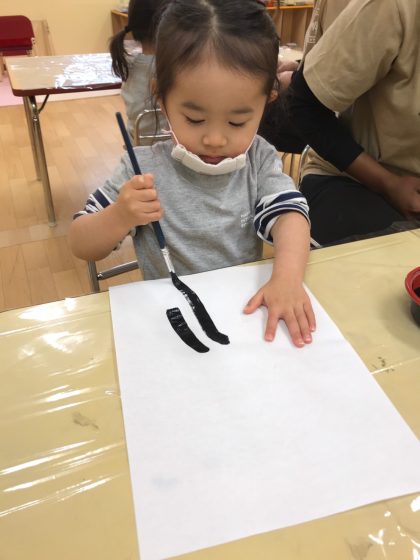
(193, 121)
(237, 125)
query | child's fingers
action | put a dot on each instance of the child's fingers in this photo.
(297, 324)
(294, 329)
(254, 303)
(151, 207)
(146, 195)
(304, 326)
(142, 181)
(130, 194)
(154, 216)
(310, 315)
(292, 326)
(138, 207)
(271, 327)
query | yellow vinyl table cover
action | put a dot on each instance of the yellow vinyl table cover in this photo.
(64, 477)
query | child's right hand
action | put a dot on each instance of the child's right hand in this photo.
(138, 202)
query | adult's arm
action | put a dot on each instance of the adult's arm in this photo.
(403, 192)
(318, 126)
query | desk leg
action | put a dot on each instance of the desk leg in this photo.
(34, 126)
(28, 115)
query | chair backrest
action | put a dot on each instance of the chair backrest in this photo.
(16, 35)
(302, 161)
(139, 137)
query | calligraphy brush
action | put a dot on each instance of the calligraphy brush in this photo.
(194, 301)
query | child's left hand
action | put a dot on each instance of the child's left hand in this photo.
(285, 299)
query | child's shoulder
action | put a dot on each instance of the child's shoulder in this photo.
(261, 144)
(261, 149)
(153, 156)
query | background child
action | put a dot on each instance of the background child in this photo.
(221, 185)
(136, 69)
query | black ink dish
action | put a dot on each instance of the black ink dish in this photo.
(412, 284)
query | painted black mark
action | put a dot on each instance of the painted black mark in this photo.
(181, 328)
(200, 311)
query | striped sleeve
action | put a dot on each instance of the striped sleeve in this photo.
(97, 201)
(271, 206)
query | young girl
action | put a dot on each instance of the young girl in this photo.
(217, 188)
(136, 69)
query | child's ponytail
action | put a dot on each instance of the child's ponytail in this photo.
(119, 54)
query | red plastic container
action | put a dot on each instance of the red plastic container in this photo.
(412, 284)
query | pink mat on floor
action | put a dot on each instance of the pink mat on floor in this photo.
(6, 96)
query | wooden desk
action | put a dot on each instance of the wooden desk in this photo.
(43, 75)
(64, 477)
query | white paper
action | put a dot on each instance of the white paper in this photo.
(249, 437)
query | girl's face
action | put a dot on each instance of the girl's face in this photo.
(214, 111)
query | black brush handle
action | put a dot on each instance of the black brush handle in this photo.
(127, 141)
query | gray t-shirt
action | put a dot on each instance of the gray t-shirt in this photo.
(209, 221)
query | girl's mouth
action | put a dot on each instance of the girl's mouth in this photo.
(213, 160)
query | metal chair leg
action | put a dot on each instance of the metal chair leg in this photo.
(93, 276)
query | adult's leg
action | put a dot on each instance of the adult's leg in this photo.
(340, 207)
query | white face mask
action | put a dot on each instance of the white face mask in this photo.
(194, 162)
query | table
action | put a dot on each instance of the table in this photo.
(44, 75)
(64, 478)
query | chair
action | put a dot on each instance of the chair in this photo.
(139, 139)
(143, 139)
(302, 160)
(95, 276)
(16, 37)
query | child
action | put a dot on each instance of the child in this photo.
(136, 69)
(217, 188)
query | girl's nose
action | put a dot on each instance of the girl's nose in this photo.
(214, 139)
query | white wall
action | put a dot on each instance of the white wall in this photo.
(75, 26)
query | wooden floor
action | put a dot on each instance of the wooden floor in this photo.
(83, 145)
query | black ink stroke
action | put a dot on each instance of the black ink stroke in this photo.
(184, 332)
(200, 311)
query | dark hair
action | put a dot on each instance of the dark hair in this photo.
(240, 33)
(143, 16)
